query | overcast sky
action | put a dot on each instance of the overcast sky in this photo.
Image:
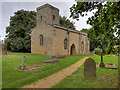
(8, 9)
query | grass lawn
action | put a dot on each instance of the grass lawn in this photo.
(106, 78)
(14, 79)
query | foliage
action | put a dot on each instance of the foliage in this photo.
(98, 51)
(19, 30)
(117, 41)
(105, 21)
(85, 31)
(110, 50)
(93, 40)
(66, 22)
(115, 51)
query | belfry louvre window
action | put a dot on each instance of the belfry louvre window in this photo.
(41, 40)
(65, 43)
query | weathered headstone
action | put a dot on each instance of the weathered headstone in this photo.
(3, 49)
(51, 61)
(60, 56)
(89, 68)
(22, 66)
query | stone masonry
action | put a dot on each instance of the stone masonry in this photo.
(53, 35)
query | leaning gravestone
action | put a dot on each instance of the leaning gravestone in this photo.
(89, 68)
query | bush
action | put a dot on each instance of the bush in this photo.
(116, 51)
(98, 51)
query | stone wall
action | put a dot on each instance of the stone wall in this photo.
(84, 48)
(58, 42)
(73, 38)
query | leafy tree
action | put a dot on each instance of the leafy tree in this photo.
(66, 22)
(19, 30)
(93, 40)
(105, 21)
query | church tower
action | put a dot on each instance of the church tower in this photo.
(42, 34)
(47, 14)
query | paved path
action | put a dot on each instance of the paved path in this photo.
(57, 77)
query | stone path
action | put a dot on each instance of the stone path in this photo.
(57, 77)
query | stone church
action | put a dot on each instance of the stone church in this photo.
(48, 37)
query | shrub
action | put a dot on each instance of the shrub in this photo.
(98, 51)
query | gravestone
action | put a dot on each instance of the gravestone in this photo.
(22, 66)
(3, 49)
(51, 61)
(60, 56)
(89, 68)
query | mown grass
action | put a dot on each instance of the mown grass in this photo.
(106, 78)
(14, 79)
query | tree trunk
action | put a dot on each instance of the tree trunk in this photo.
(101, 58)
(102, 64)
(118, 68)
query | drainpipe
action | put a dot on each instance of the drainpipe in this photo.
(68, 42)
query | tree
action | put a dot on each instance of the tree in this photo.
(93, 40)
(105, 21)
(66, 22)
(19, 30)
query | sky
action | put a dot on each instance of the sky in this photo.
(8, 9)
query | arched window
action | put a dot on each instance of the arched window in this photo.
(41, 18)
(65, 43)
(82, 47)
(41, 40)
(53, 17)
